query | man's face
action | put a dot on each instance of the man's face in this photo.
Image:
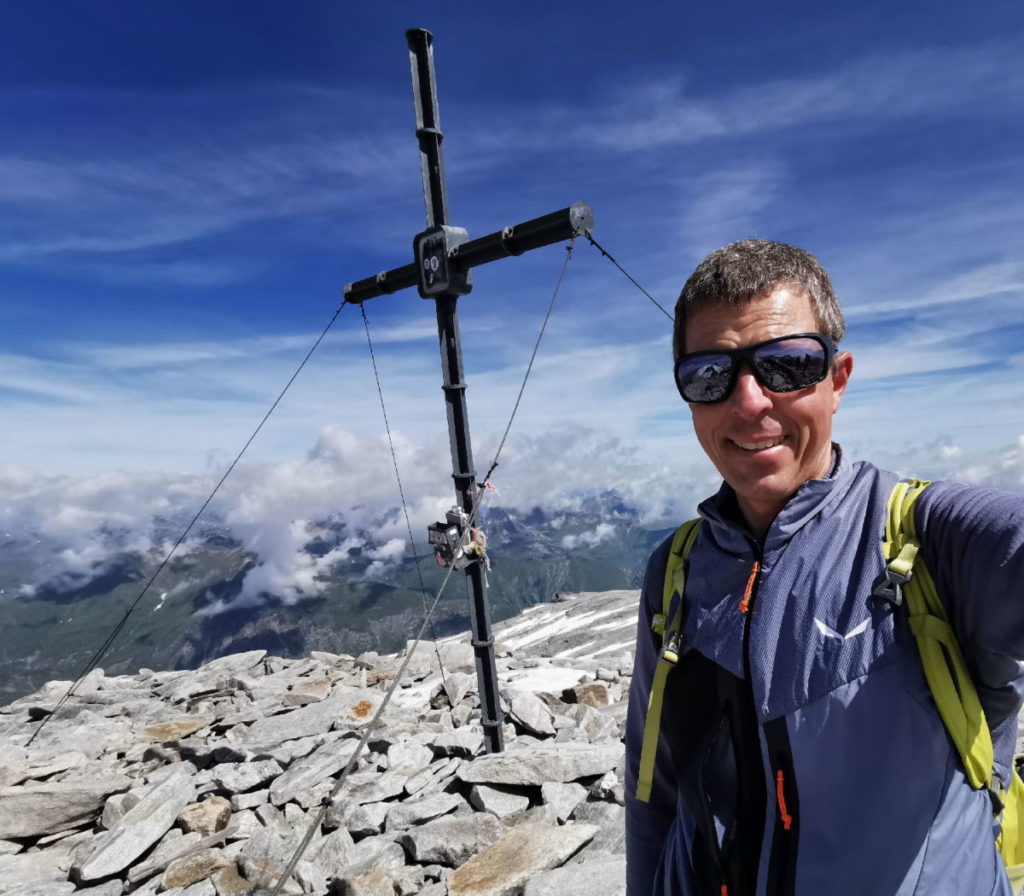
(765, 444)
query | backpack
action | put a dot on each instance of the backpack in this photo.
(906, 577)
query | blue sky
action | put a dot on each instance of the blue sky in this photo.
(186, 187)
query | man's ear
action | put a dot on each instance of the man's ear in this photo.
(842, 367)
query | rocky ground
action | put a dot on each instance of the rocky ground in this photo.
(206, 782)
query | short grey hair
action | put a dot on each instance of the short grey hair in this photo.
(739, 272)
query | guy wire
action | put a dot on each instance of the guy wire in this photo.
(401, 492)
(480, 497)
(629, 276)
(105, 646)
(314, 825)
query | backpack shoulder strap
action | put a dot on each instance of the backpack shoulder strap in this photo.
(667, 623)
(944, 666)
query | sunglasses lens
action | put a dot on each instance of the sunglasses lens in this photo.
(704, 378)
(791, 364)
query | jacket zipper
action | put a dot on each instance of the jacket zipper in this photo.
(717, 852)
(782, 860)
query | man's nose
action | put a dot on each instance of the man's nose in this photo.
(749, 398)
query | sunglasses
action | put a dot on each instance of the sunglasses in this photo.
(785, 364)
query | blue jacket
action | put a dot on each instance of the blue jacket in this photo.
(801, 753)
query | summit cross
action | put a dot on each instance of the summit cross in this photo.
(443, 257)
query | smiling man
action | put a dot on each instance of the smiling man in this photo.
(792, 745)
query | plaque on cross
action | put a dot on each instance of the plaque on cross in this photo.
(443, 258)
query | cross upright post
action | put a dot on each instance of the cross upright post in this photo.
(444, 256)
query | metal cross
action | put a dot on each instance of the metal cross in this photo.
(444, 256)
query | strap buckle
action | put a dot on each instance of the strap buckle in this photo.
(670, 650)
(891, 589)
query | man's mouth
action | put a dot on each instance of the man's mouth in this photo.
(760, 444)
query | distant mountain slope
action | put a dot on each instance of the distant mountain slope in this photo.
(194, 612)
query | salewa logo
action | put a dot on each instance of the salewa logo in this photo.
(830, 632)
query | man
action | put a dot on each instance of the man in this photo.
(800, 751)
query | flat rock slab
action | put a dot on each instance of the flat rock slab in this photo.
(504, 868)
(175, 730)
(310, 770)
(352, 706)
(142, 826)
(32, 810)
(605, 876)
(560, 762)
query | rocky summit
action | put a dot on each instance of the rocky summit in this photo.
(217, 781)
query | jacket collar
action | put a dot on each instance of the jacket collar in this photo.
(722, 511)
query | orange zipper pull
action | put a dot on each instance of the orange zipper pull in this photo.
(780, 795)
(748, 592)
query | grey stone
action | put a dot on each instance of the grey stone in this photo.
(598, 876)
(433, 776)
(522, 853)
(238, 777)
(142, 826)
(547, 762)
(27, 869)
(380, 787)
(116, 806)
(597, 725)
(250, 800)
(409, 756)
(265, 857)
(499, 801)
(458, 686)
(451, 841)
(31, 810)
(359, 820)
(407, 814)
(463, 742)
(110, 888)
(611, 819)
(304, 773)
(594, 693)
(531, 713)
(563, 798)
(9, 848)
(173, 845)
(25, 765)
(334, 853)
(232, 664)
(608, 788)
(375, 877)
(304, 692)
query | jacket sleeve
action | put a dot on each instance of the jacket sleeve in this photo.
(647, 824)
(973, 543)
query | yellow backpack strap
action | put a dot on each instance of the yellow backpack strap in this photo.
(944, 666)
(667, 623)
